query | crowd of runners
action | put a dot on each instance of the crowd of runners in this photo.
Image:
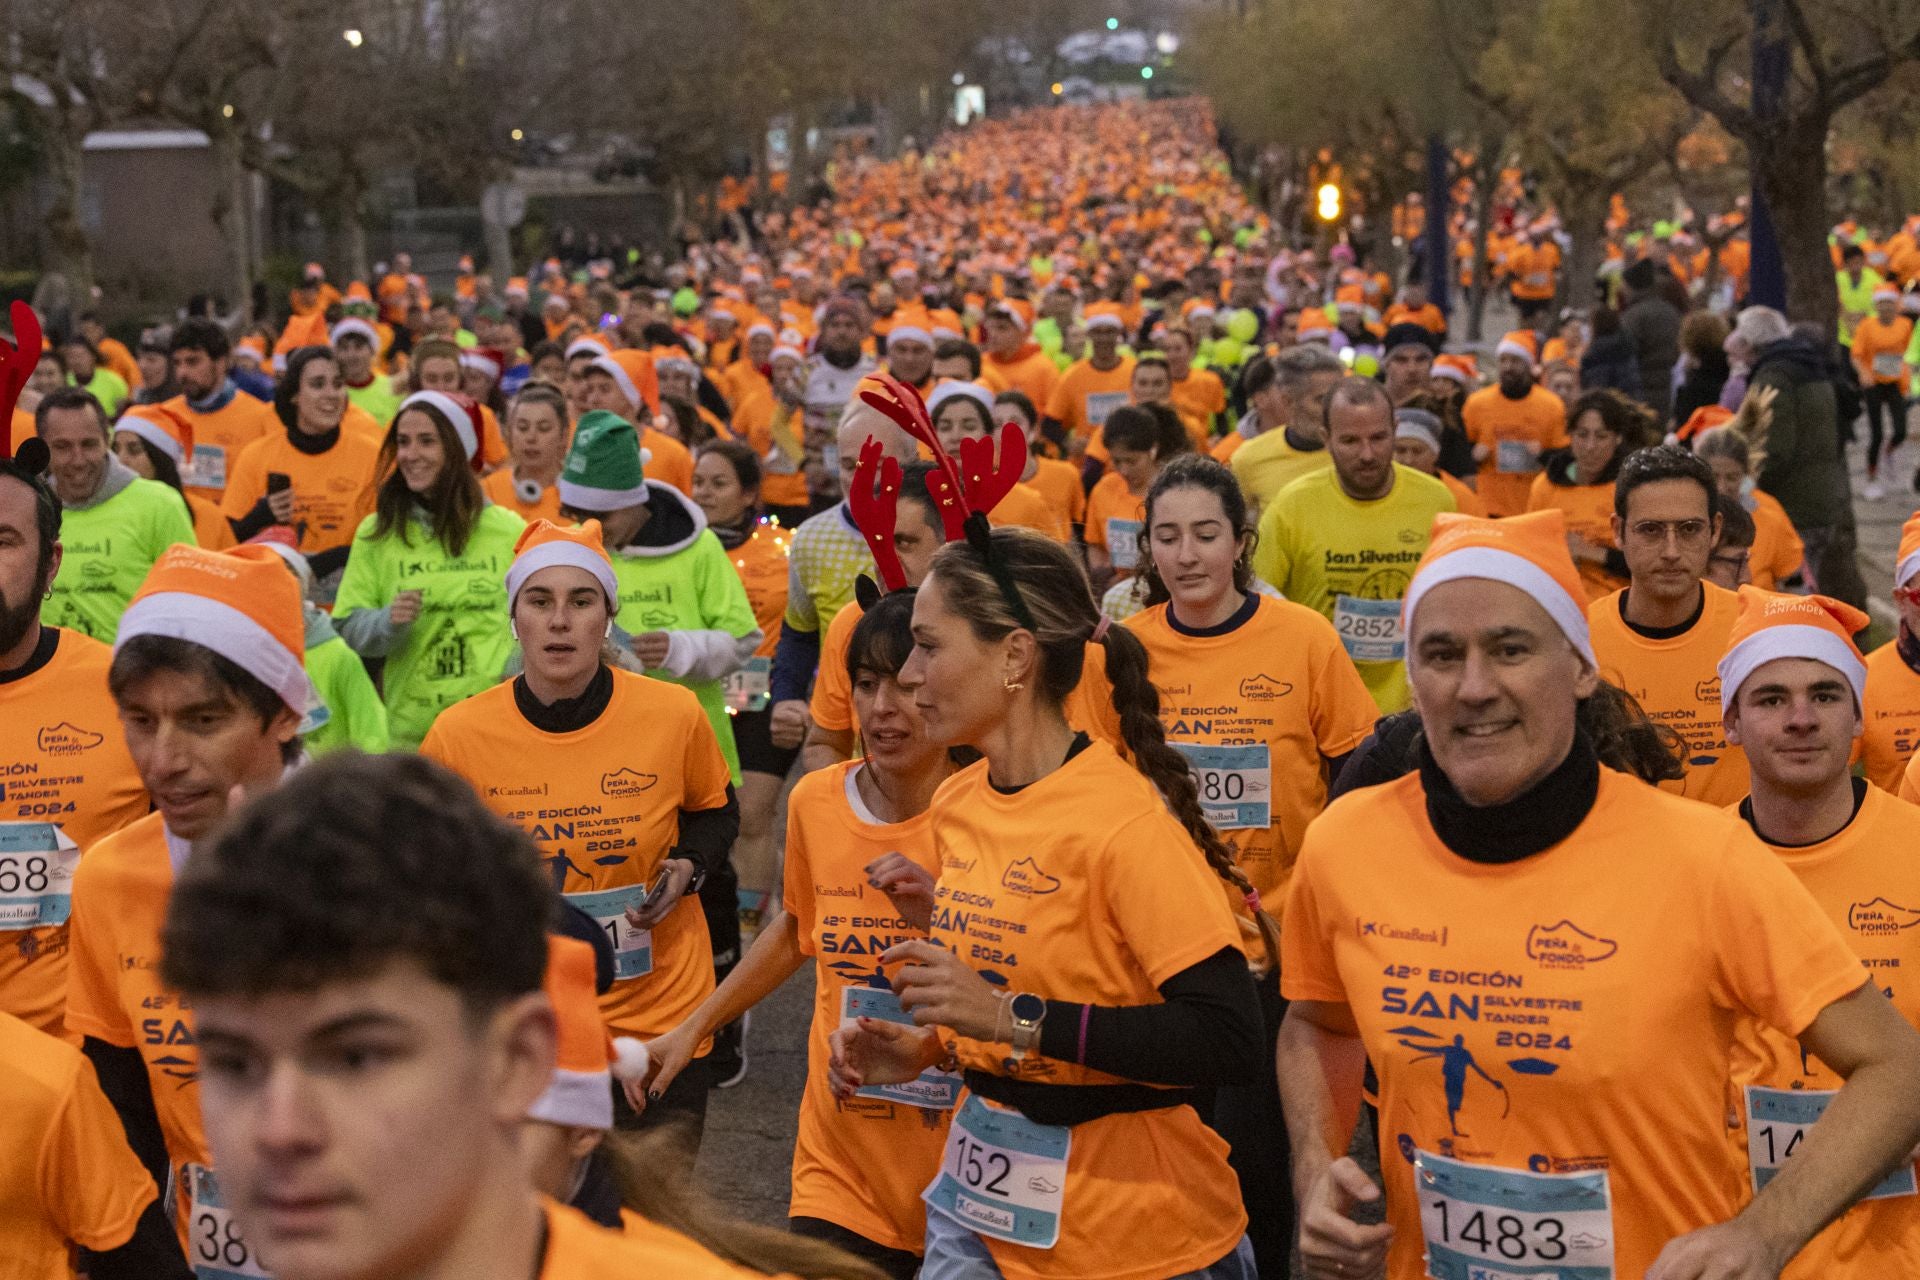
(1269, 789)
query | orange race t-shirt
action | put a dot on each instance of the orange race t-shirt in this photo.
(1588, 509)
(603, 803)
(1199, 398)
(67, 1175)
(1571, 1013)
(861, 1163)
(1892, 716)
(1025, 508)
(1031, 371)
(1257, 711)
(668, 461)
(1866, 880)
(1082, 887)
(1115, 517)
(761, 562)
(66, 782)
(1059, 483)
(580, 1249)
(210, 527)
(218, 438)
(782, 482)
(1677, 683)
(1084, 395)
(499, 488)
(114, 993)
(1777, 552)
(332, 491)
(831, 703)
(1516, 433)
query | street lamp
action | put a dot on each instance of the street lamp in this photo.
(353, 37)
(1329, 195)
(519, 135)
(1058, 88)
(1113, 24)
(1146, 73)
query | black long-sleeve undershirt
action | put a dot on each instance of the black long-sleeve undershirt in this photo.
(707, 835)
(123, 1078)
(152, 1253)
(1207, 1031)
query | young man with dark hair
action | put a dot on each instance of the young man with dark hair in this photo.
(364, 955)
(1660, 636)
(208, 676)
(225, 420)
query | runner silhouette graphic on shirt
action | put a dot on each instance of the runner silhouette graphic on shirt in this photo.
(1455, 1061)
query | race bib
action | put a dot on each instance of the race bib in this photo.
(1482, 1222)
(749, 688)
(207, 468)
(37, 861)
(1123, 543)
(1102, 403)
(1236, 784)
(1514, 457)
(1777, 1119)
(1370, 629)
(214, 1245)
(1887, 364)
(935, 1090)
(632, 948)
(1538, 279)
(1003, 1176)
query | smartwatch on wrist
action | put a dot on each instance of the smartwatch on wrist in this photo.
(1028, 1011)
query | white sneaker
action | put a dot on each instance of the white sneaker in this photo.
(1873, 492)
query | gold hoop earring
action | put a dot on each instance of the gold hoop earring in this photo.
(1012, 686)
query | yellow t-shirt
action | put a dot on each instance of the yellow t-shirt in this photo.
(1083, 888)
(1572, 1012)
(1866, 880)
(67, 1175)
(1084, 395)
(862, 1163)
(1676, 682)
(332, 491)
(603, 803)
(1267, 464)
(1257, 711)
(66, 767)
(1351, 561)
(1516, 433)
(1892, 716)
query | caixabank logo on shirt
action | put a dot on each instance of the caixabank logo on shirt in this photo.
(1566, 945)
(66, 739)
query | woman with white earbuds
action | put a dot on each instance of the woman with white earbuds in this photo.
(620, 781)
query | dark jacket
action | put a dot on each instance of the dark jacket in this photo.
(1653, 326)
(1611, 361)
(1702, 386)
(1804, 467)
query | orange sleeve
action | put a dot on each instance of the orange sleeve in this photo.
(248, 483)
(93, 1186)
(796, 893)
(1554, 424)
(93, 996)
(1540, 493)
(1164, 898)
(703, 768)
(1343, 709)
(1778, 955)
(1090, 706)
(1909, 789)
(1059, 405)
(831, 705)
(1308, 970)
(1474, 419)
(493, 445)
(1096, 516)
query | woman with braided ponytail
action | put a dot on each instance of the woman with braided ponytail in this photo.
(1086, 970)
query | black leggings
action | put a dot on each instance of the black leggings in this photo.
(1884, 398)
(1250, 1119)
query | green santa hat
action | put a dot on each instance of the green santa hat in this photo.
(606, 468)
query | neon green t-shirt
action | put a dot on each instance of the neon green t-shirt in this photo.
(693, 589)
(1352, 561)
(106, 552)
(355, 715)
(377, 398)
(461, 641)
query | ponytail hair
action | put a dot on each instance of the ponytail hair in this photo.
(1055, 594)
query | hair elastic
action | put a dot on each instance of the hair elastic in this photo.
(1253, 901)
(1100, 629)
(1080, 1056)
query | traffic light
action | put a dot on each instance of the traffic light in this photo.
(1329, 202)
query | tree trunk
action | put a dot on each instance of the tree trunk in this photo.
(350, 230)
(1586, 204)
(69, 253)
(1483, 190)
(1792, 173)
(233, 214)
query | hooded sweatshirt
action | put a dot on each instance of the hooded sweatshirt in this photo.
(1804, 467)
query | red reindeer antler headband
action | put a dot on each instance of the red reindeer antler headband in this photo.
(964, 492)
(17, 361)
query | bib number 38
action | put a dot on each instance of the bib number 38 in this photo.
(1481, 1222)
(214, 1244)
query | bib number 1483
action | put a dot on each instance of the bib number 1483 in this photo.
(1482, 1222)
